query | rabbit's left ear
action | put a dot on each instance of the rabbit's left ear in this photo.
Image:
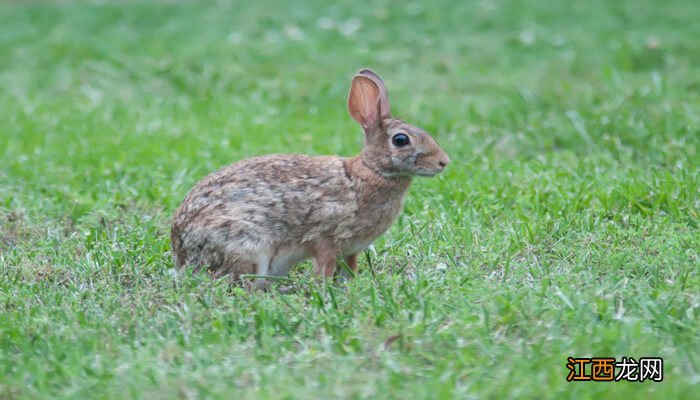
(363, 103)
(368, 102)
(384, 108)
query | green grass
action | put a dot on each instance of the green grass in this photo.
(567, 222)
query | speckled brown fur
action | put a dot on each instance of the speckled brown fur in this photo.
(262, 215)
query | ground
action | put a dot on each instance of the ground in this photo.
(566, 225)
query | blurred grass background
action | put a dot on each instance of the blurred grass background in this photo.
(567, 224)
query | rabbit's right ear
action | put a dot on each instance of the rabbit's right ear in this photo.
(363, 102)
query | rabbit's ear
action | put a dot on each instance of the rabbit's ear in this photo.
(384, 109)
(363, 102)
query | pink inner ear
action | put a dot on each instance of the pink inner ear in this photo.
(384, 108)
(363, 101)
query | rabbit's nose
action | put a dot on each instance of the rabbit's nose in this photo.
(444, 161)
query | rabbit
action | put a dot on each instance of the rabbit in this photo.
(262, 215)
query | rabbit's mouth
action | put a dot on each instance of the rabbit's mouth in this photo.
(431, 165)
(429, 171)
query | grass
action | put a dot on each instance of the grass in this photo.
(567, 224)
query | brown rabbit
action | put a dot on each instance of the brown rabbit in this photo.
(263, 215)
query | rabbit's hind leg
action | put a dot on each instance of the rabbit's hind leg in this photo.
(232, 265)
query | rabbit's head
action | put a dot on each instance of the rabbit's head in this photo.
(392, 147)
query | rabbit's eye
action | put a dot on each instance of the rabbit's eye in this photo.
(400, 139)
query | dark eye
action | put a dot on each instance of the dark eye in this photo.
(400, 139)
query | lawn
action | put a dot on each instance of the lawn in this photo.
(566, 225)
